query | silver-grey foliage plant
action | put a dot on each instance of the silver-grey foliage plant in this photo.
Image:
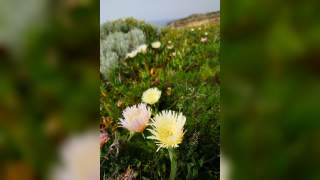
(115, 46)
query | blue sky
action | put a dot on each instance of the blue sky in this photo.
(154, 10)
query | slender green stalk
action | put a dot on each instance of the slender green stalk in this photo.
(154, 109)
(173, 160)
(130, 136)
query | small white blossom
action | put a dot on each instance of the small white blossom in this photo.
(156, 44)
(170, 47)
(132, 54)
(142, 48)
(204, 39)
(151, 96)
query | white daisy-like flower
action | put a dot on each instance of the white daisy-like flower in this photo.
(156, 44)
(151, 96)
(206, 33)
(142, 48)
(79, 158)
(136, 118)
(169, 42)
(167, 129)
(192, 29)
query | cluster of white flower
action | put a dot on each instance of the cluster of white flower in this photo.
(116, 45)
(166, 127)
(142, 49)
(170, 45)
(205, 38)
(202, 39)
(136, 117)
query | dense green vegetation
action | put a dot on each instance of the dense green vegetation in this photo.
(186, 69)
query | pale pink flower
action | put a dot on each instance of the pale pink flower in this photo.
(79, 158)
(104, 138)
(136, 117)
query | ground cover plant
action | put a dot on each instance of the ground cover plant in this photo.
(183, 66)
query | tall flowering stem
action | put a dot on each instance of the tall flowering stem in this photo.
(130, 136)
(173, 161)
(167, 131)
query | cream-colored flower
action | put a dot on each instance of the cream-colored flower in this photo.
(156, 44)
(79, 158)
(170, 46)
(142, 48)
(136, 118)
(167, 129)
(192, 29)
(204, 39)
(132, 54)
(206, 33)
(151, 96)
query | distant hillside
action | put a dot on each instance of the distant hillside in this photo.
(196, 20)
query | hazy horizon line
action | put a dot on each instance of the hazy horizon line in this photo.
(157, 20)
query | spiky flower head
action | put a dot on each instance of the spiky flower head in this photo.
(167, 129)
(136, 117)
(151, 96)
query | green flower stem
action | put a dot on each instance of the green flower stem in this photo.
(130, 136)
(154, 109)
(173, 160)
